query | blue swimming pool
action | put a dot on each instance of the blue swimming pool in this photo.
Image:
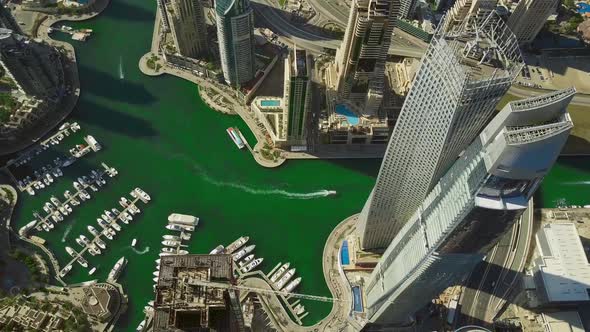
(583, 8)
(270, 103)
(357, 305)
(352, 119)
(344, 257)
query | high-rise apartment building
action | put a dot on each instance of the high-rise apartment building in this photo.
(235, 33)
(472, 205)
(189, 31)
(360, 61)
(466, 70)
(406, 8)
(297, 96)
(464, 8)
(529, 17)
(163, 15)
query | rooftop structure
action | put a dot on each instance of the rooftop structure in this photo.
(463, 75)
(563, 321)
(480, 197)
(562, 271)
(464, 8)
(297, 95)
(183, 305)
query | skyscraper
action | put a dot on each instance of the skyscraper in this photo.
(235, 32)
(189, 31)
(163, 15)
(360, 61)
(297, 96)
(465, 72)
(406, 8)
(464, 8)
(529, 17)
(471, 206)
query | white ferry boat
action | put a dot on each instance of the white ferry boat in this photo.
(233, 134)
(279, 272)
(116, 271)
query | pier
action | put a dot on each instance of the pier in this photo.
(80, 254)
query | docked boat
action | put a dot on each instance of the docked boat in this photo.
(134, 209)
(104, 217)
(170, 243)
(84, 239)
(143, 194)
(77, 186)
(185, 236)
(165, 254)
(116, 271)
(141, 325)
(171, 237)
(115, 226)
(115, 212)
(55, 201)
(82, 261)
(285, 278)
(183, 219)
(63, 210)
(124, 202)
(236, 244)
(100, 243)
(237, 256)
(45, 227)
(291, 286)
(93, 230)
(299, 309)
(279, 272)
(218, 250)
(30, 191)
(134, 242)
(111, 232)
(71, 252)
(180, 228)
(250, 266)
(93, 188)
(109, 214)
(65, 271)
(246, 260)
(107, 235)
(102, 223)
(233, 134)
(92, 270)
(68, 208)
(94, 250)
(79, 242)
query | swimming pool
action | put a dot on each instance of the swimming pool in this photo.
(357, 300)
(344, 257)
(270, 103)
(352, 119)
(583, 8)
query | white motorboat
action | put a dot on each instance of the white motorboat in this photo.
(285, 278)
(116, 271)
(171, 237)
(143, 194)
(237, 256)
(100, 243)
(65, 271)
(170, 243)
(291, 286)
(279, 272)
(115, 226)
(180, 228)
(250, 266)
(133, 242)
(102, 223)
(93, 231)
(91, 272)
(246, 260)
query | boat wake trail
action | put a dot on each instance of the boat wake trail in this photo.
(141, 252)
(121, 73)
(67, 231)
(312, 195)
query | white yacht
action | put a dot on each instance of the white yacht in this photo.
(116, 271)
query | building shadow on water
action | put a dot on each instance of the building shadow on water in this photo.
(102, 84)
(113, 120)
(129, 12)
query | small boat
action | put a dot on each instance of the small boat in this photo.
(100, 243)
(142, 194)
(299, 309)
(68, 208)
(115, 212)
(74, 201)
(77, 186)
(71, 252)
(155, 279)
(141, 325)
(156, 273)
(65, 271)
(63, 210)
(107, 235)
(45, 227)
(109, 214)
(170, 243)
(93, 188)
(246, 260)
(84, 239)
(92, 270)
(133, 242)
(180, 228)
(116, 271)
(93, 231)
(30, 191)
(185, 236)
(55, 201)
(279, 272)
(171, 237)
(82, 261)
(115, 226)
(250, 266)
(165, 254)
(237, 256)
(102, 223)
(124, 202)
(104, 217)
(291, 286)
(112, 232)
(79, 242)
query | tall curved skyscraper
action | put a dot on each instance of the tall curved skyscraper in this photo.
(235, 33)
(463, 75)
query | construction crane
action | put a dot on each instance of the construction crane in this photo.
(198, 282)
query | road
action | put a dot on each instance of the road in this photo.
(490, 284)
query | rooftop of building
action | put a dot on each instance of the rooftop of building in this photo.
(563, 321)
(563, 265)
(298, 60)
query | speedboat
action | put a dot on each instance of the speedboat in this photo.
(93, 231)
(68, 208)
(111, 231)
(246, 260)
(133, 242)
(170, 243)
(79, 241)
(92, 270)
(250, 266)
(180, 228)
(115, 212)
(93, 187)
(82, 261)
(63, 210)
(143, 194)
(291, 286)
(55, 201)
(165, 254)
(107, 235)
(67, 194)
(109, 214)
(77, 186)
(93, 251)
(30, 191)
(102, 223)
(156, 273)
(279, 272)
(104, 217)
(71, 252)
(141, 325)
(185, 236)
(65, 271)
(100, 243)
(45, 227)
(299, 309)
(124, 202)
(133, 194)
(74, 201)
(84, 239)
(115, 226)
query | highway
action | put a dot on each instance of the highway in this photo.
(490, 283)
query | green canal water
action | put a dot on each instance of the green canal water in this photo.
(160, 136)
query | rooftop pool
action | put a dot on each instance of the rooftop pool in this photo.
(270, 103)
(352, 118)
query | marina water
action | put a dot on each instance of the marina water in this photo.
(161, 137)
